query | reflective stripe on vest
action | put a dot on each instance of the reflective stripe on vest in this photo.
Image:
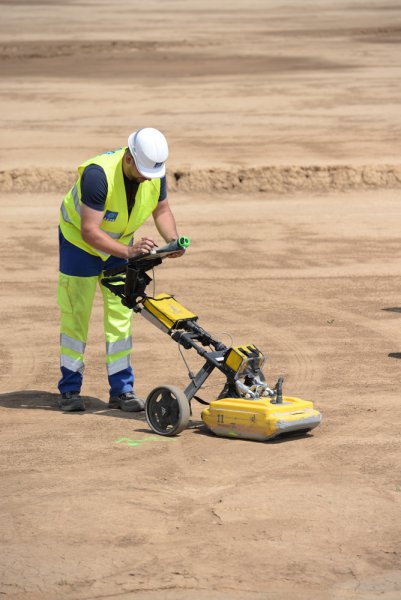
(65, 213)
(74, 193)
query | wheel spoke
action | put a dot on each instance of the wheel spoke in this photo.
(158, 412)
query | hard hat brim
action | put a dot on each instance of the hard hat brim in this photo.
(154, 173)
(150, 173)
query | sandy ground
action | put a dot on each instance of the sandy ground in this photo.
(253, 82)
(310, 278)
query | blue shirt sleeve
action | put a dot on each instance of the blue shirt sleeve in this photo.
(94, 187)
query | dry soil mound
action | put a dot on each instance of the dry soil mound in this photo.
(277, 179)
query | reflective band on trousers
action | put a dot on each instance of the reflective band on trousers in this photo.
(118, 365)
(73, 364)
(72, 344)
(119, 346)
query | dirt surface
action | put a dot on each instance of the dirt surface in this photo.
(94, 506)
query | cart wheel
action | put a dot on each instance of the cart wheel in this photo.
(167, 410)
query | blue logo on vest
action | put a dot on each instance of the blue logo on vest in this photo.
(110, 216)
(109, 152)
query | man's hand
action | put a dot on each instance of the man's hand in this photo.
(143, 246)
(176, 254)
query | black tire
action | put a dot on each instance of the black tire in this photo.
(167, 410)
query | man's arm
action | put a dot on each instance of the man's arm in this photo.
(165, 222)
(91, 221)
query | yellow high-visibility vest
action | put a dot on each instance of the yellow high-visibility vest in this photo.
(116, 222)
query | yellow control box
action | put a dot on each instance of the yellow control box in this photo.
(165, 312)
(260, 419)
(238, 358)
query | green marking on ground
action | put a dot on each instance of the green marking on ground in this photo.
(150, 438)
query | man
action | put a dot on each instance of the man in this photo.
(114, 194)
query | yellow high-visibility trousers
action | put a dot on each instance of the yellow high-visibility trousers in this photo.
(75, 299)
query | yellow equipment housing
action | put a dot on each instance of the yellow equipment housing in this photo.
(250, 410)
(260, 419)
(165, 312)
(239, 358)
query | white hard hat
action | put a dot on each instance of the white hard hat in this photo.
(149, 148)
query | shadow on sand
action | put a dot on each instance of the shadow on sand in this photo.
(396, 309)
(38, 399)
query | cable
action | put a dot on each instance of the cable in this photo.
(229, 335)
(190, 373)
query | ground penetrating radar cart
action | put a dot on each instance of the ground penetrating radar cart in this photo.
(246, 407)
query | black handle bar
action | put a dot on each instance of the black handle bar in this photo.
(148, 260)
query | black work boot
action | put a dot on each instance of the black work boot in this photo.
(71, 401)
(127, 402)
